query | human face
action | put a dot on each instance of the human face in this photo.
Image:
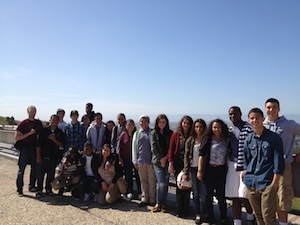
(106, 152)
(199, 128)
(256, 120)
(234, 115)
(31, 112)
(74, 118)
(98, 120)
(272, 110)
(185, 125)
(110, 126)
(144, 123)
(121, 120)
(86, 120)
(61, 114)
(162, 123)
(217, 129)
(88, 150)
(129, 126)
(54, 121)
(88, 108)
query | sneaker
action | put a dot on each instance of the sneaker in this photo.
(129, 197)
(96, 198)
(38, 194)
(86, 197)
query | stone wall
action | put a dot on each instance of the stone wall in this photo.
(7, 136)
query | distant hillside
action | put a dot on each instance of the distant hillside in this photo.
(4, 121)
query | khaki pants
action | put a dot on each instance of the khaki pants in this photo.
(109, 197)
(148, 182)
(264, 204)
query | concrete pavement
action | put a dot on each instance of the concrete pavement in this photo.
(66, 210)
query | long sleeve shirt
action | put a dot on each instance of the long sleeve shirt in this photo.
(263, 157)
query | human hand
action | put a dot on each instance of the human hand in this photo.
(111, 186)
(200, 175)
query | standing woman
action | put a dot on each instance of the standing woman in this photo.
(160, 141)
(212, 166)
(191, 156)
(175, 158)
(124, 147)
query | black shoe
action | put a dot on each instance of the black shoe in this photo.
(198, 220)
(38, 194)
(49, 192)
(251, 222)
(142, 204)
(20, 193)
(32, 189)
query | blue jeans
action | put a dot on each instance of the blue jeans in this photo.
(162, 178)
(199, 193)
(27, 156)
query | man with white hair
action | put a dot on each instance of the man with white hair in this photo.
(26, 137)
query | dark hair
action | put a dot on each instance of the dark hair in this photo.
(89, 104)
(156, 127)
(225, 131)
(110, 121)
(193, 133)
(121, 114)
(273, 100)
(87, 143)
(256, 110)
(236, 108)
(74, 112)
(54, 115)
(98, 114)
(180, 129)
(131, 121)
(60, 110)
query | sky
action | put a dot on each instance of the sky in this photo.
(195, 57)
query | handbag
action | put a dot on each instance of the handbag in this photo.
(122, 185)
(184, 184)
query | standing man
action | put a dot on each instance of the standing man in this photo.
(49, 141)
(61, 124)
(89, 111)
(26, 135)
(263, 166)
(116, 132)
(96, 133)
(75, 132)
(235, 189)
(287, 130)
(142, 161)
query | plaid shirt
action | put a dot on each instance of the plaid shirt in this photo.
(75, 135)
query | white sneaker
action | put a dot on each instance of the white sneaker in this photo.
(129, 197)
(86, 197)
(96, 198)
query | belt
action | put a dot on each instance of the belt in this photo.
(215, 165)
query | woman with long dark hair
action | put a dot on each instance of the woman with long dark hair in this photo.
(191, 156)
(160, 141)
(212, 166)
(175, 159)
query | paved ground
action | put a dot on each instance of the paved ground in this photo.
(66, 210)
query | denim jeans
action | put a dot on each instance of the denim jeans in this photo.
(199, 193)
(46, 167)
(162, 178)
(27, 156)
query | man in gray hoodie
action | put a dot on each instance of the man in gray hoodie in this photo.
(287, 129)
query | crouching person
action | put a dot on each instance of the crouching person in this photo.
(110, 177)
(89, 181)
(68, 173)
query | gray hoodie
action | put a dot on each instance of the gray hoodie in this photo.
(287, 130)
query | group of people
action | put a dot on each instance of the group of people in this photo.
(248, 163)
